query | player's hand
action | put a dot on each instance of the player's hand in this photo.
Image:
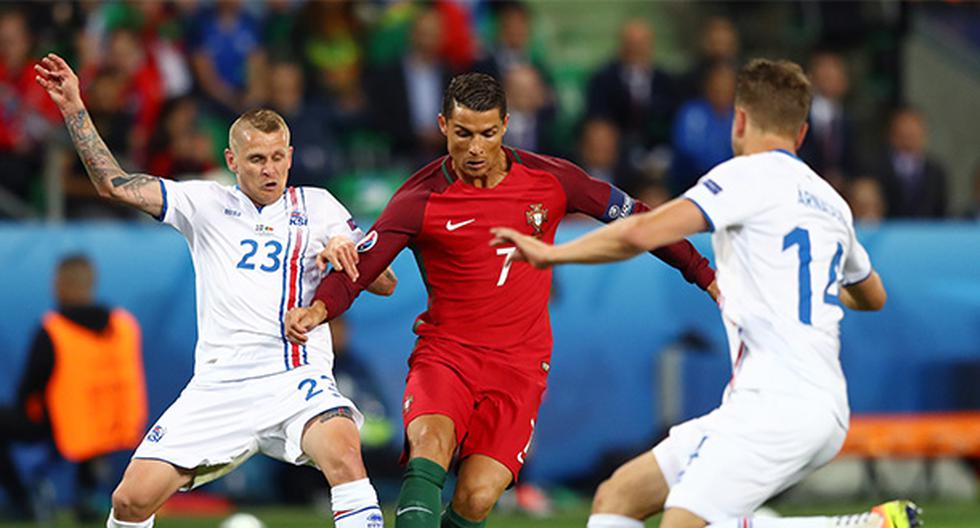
(529, 249)
(299, 321)
(713, 291)
(341, 253)
(61, 83)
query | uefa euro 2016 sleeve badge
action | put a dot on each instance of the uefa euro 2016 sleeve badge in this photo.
(536, 215)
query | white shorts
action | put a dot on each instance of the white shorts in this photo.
(213, 427)
(726, 464)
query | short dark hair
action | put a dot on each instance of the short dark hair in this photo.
(775, 94)
(476, 91)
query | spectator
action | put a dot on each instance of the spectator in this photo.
(283, 31)
(867, 201)
(600, 154)
(532, 113)
(703, 128)
(829, 147)
(179, 147)
(513, 44)
(719, 42)
(314, 148)
(143, 91)
(914, 182)
(83, 388)
(158, 32)
(335, 57)
(632, 91)
(228, 59)
(405, 95)
(26, 113)
(331, 38)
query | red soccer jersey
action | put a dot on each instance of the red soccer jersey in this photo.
(474, 298)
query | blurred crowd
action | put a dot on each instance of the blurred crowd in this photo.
(360, 84)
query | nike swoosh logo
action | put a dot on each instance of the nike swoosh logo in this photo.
(452, 227)
(412, 508)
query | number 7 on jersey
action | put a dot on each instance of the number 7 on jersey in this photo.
(505, 268)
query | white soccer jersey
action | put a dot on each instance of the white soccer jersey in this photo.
(253, 264)
(784, 244)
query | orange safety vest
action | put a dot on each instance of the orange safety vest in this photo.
(96, 397)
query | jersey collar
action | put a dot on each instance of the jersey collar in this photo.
(788, 153)
(257, 207)
(511, 156)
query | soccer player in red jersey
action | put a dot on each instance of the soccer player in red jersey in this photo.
(480, 365)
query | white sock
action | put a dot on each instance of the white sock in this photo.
(112, 522)
(355, 505)
(609, 520)
(860, 520)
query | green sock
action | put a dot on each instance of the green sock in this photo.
(420, 500)
(451, 519)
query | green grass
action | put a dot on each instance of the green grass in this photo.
(937, 515)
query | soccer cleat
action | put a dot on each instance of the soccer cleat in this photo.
(898, 514)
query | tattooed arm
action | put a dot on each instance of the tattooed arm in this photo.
(141, 191)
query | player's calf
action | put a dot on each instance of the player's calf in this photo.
(332, 441)
(636, 490)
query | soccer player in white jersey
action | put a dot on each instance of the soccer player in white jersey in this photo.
(258, 250)
(787, 258)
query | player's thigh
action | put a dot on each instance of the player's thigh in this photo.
(637, 489)
(502, 425)
(204, 427)
(748, 450)
(437, 405)
(332, 441)
(147, 484)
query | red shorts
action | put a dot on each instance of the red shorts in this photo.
(492, 403)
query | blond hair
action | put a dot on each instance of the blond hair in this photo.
(261, 119)
(775, 94)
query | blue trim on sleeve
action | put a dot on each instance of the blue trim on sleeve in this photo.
(859, 281)
(163, 210)
(711, 225)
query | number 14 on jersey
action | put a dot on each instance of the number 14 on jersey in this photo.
(801, 237)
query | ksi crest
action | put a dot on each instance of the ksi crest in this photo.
(536, 215)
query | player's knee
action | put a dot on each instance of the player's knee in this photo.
(608, 498)
(475, 502)
(130, 505)
(343, 463)
(433, 442)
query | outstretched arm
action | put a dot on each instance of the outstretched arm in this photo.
(141, 191)
(619, 240)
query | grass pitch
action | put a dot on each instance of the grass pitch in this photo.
(937, 515)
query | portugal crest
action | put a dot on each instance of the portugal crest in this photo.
(536, 215)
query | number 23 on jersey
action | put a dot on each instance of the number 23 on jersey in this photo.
(270, 260)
